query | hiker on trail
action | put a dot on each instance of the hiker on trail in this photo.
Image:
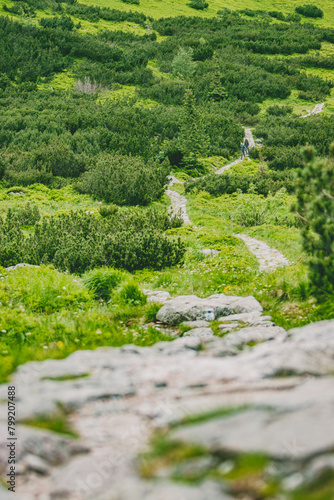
(242, 150)
(246, 146)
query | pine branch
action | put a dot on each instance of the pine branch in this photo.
(301, 217)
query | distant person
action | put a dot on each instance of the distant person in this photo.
(242, 150)
(246, 146)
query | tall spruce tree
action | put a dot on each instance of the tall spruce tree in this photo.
(183, 63)
(194, 141)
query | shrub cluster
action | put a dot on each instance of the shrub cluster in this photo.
(284, 137)
(48, 139)
(125, 180)
(198, 4)
(261, 183)
(27, 215)
(309, 10)
(78, 241)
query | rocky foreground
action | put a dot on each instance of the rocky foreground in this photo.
(246, 415)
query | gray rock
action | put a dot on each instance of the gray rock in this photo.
(17, 266)
(193, 467)
(158, 296)
(320, 332)
(307, 350)
(191, 307)
(200, 323)
(255, 334)
(9, 495)
(318, 466)
(199, 332)
(295, 435)
(215, 346)
(39, 449)
(131, 390)
(182, 345)
(131, 349)
(249, 318)
(36, 464)
(210, 252)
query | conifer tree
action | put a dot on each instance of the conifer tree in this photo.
(217, 92)
(315, 207)
(183, 64)
(194, 141)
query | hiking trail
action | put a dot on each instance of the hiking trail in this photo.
(268, 258)
(249, 136)
(318, 108)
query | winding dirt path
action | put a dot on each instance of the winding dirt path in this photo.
(179, 203)
(318, 108)
(249, 136)
(268, 258)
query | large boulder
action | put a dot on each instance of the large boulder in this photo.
(191, 308)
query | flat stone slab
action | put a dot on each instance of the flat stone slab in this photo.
(191, 307)
(164, 490)
(250, 318)
(295, 435)
(284, 389)
(200, 323)
(255, 334)
(199, 332)
(158, 296)
(228, 326)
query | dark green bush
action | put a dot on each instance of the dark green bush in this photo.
(63, 22)
(276, 110)
(109, 210)
(263, 183)
(77, 242)
(21, 9)
(288, 158)
(277, 15)
(198, 4)
(125, 180)
(309, 10)
(27, 215)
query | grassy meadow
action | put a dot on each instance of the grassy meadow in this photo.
(138, 112)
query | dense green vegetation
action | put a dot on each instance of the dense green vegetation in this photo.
(98, 105)
(78, 241)
(226, 67)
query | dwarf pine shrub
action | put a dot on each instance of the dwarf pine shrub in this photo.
(309, 10)
(125, 180)
(77, 242)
